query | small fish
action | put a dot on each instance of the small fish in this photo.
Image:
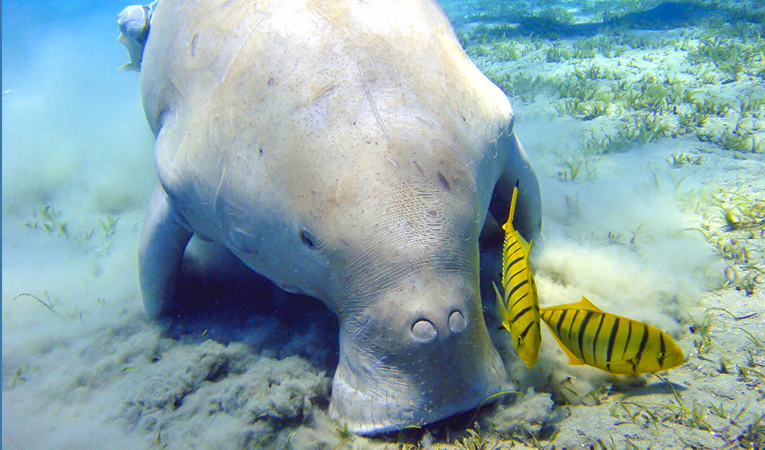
(519, 307)
(134, 22)
(609, 342)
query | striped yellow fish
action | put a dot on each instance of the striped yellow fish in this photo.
(609, 342)
(519, 307)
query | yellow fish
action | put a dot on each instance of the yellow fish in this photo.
(519, 307)
(609, 342)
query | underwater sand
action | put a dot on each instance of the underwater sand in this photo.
(640, 230)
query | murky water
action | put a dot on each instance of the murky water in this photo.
(644, 123)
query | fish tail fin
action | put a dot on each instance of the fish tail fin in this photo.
(509, 225)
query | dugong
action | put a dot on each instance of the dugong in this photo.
(348, 150)
(134, 22)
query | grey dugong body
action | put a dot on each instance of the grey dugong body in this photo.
(348, 150)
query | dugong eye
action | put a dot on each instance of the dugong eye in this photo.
(307, 238)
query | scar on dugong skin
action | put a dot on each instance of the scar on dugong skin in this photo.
(134, 22)
(346, 150)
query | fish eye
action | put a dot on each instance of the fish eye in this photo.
(307, 238)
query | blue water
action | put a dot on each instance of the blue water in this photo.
(606, 95)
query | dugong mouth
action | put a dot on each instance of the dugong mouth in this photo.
(432, 376)
(368, 412)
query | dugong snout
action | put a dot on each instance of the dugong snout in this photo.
(419, 354)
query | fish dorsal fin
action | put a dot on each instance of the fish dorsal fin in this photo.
(526, 246)
(572, 359)
(584, 303)
(581, 304)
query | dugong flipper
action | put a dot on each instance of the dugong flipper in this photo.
(163, 240)
(347, 150)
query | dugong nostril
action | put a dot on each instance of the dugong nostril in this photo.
(424, 331)
(457, 322)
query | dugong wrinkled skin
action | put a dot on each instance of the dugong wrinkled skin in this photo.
(348, 150)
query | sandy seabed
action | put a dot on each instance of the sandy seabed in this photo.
(639, 229)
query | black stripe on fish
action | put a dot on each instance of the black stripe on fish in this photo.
(544, 316)
(627, 341)
(513, 275)
(560, 320)
(519, 299)
(508, 253)
(662, 350)
(571, 328)
(516, 287)
(582, 329)
(611, 340)
(595, 340)
(643, 342)
(506, 279)
(523, 333)
(520, 258)
(521, 313)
